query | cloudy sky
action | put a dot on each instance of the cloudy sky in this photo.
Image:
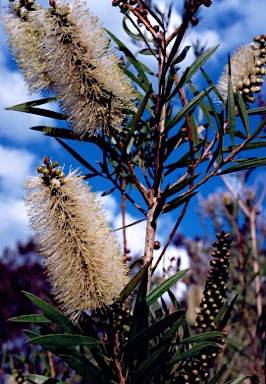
(228, 22)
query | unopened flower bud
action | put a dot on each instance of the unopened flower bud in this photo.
(17, 6)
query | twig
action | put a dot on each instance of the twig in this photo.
(171, 236)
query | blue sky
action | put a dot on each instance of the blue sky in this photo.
(230, 23)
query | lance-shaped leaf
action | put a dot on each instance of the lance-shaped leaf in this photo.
(183, 161)
(218, 375)
(173, 204)
(231, 114)
(181, 56)
(190, 71)
(154, 330)
(239, 381)
(183, 184)
(152, 13)
(75, 360)
(252, 145)
(149, 366)
(202, 337)
(244, 164)
(29, 107)
(133, 283)
(64, 340)
(210, 82)
(136, 119)
(203, 106)
(242, 110)
(257, 111)
(131, 58)
(79, 158)
(164, 286)
(88, 371)
(34, 318)
(187, 108)
(192, 352)
(54, 315)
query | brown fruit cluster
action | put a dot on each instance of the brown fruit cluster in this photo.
(138, 8)
(252, 84)
(215, 287)
(196, 370)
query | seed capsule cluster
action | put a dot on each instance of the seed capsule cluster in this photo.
(23, 7)
(196, 369)
(122, 319)
(215, 287)
(52, 176)
(252, 84)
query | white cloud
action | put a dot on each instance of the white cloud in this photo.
(15, 165)
(14, 225)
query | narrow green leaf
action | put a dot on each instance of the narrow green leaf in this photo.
(192, 352)
(202, 337)
(53, 314)
(133, 283)
(210, 82)
(141, 109)
(181, 56)
(252, 145)
(238, 381)
(218, 118)
(153, 330)
(173, 331)
(227, 314)
(173, 204)
(130, 225)
(152, 13)
(149, 366)
(257, 111)
(33, 103)
(135, 36)
(37, 111)
(64, 340)
(140, 313)
(88, 371)
(183, 161)
(78, 157)
(183, 184)
(259, 128)
(108, 192)
(242, 110)
(245, 164)
(231, 111)
(190, 71)
(148, 52)
(40, 379)
(131, 58)
(174, 300)
(218, 375)
(187, 108)
(64, 133)
(164, 286)
(203, 106)
(38, 318)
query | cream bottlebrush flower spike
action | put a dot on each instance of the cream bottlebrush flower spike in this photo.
(247, 69)
(71, 51)
(23, 42)
(82, 255)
